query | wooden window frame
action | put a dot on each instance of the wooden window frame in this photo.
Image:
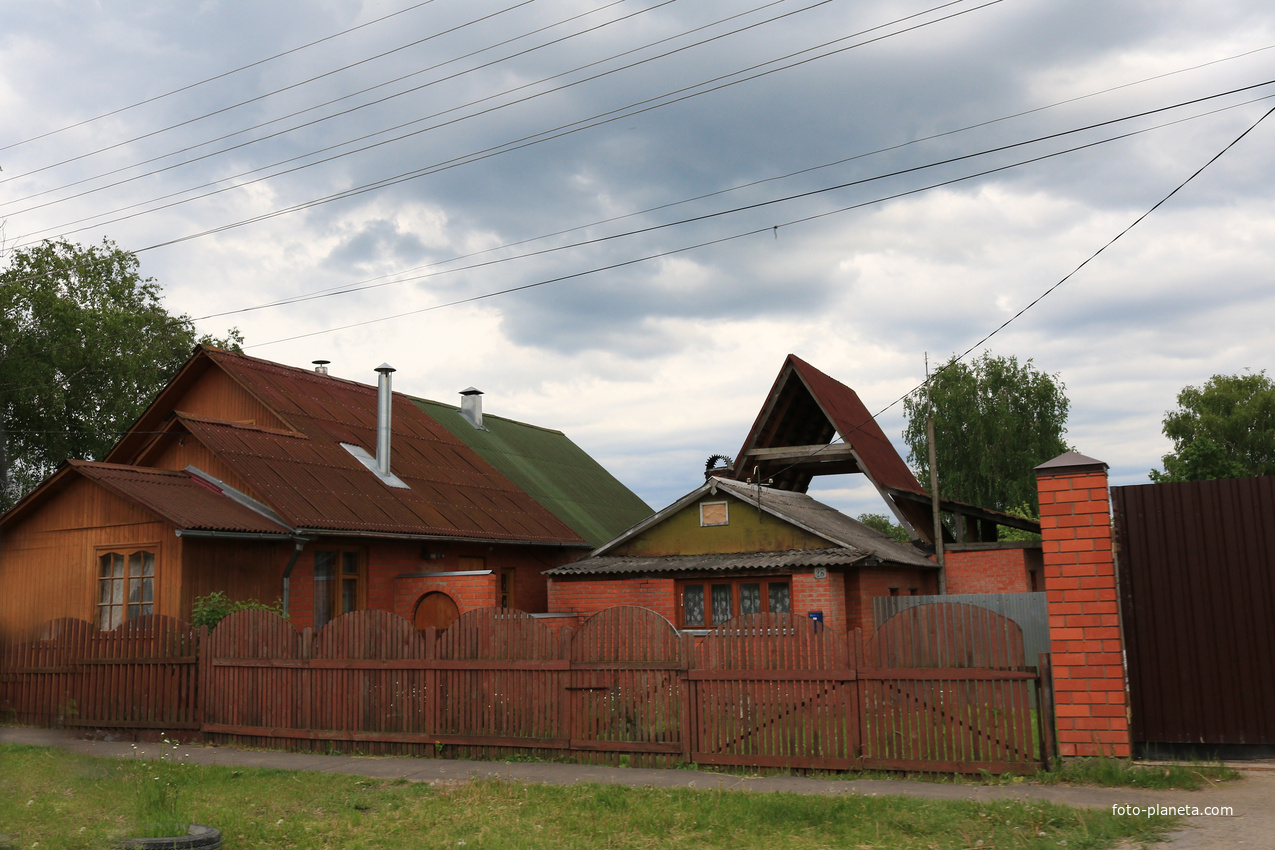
(725, 508)
(505, 589)
(337, 583)
(125, 606)
(707, 582)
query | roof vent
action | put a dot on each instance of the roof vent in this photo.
(321, 366)
(471, 407)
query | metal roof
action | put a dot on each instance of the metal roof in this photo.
(313, 483)
(607, 565)
(551, 468)
(179, 497)
(848, 535)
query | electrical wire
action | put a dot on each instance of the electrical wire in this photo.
(719, 240)
(214, 78)
(769, 202)
(647, 105)
(340, 114)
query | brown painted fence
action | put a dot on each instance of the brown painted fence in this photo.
(1196, 563)
(141, 675)
(940, 688)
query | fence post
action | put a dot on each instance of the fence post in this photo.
(566, 704)
(857, 714)
(432, 699)
(1045, 710)
(202, 671)
(690, 705)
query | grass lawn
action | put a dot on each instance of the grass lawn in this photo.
(62, 800)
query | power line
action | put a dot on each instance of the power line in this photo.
(647, 105)
(715, 241)
(958, 358)
(214, 78)
(264, 96)
(765, 203)
(372, 283)
(258, 126)
(456, 160)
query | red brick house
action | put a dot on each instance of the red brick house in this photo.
(730, 548)
(271, 482)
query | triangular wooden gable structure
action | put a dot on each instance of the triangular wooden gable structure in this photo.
(791, 442)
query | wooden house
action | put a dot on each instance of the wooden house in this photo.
(271, 482)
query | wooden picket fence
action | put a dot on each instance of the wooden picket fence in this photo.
(938, 688)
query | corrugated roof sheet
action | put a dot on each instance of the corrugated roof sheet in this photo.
(552, 469)
(313, 483)
(605, 565)
(178, 497)
(827, 522)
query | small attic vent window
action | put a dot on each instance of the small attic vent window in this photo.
(360, 454)
(713, 513)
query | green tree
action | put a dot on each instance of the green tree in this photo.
(994, 420)
(1224, 429)
(885, 525)
(85, 344)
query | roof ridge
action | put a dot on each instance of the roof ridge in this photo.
(487, 415)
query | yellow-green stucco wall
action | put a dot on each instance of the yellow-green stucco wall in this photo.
(682, 534)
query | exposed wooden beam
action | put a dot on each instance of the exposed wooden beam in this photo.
(813, 454)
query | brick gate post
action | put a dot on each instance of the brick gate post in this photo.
(1091, 703)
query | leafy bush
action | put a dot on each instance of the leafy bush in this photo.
(212, 609)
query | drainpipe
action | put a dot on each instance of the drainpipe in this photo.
(384, 407)
(287, 573)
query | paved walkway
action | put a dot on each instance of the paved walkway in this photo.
(1252, 799)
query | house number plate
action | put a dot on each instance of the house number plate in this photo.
(821, 572)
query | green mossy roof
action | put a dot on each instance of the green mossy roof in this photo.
(551, 469)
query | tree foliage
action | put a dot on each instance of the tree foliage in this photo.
(885, 525)
(1224, 429)
(85, 344)
(995, 419)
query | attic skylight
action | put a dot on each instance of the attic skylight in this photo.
(361, 455)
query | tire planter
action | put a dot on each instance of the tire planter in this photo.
(198, 836)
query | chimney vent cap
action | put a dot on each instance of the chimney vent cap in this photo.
(385, 369)
(471, 391)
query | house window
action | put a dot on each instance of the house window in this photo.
(338, 584)
(713, 513)
(126, 587)
(507, 589)
(706, 604)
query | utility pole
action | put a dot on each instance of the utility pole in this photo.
(934, 482)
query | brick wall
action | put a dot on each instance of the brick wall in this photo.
(863, 585)
(1091, 704)
(585, 597)
(991, 569)
(387, 588)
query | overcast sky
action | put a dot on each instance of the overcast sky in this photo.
(450, 150)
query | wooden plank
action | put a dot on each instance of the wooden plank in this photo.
(776, 675)
(751, 760)
(1022, 768)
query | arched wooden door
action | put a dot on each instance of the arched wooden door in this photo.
(435, 609)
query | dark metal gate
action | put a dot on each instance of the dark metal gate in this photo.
(1196, 566)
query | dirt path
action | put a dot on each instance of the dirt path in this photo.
(1252, 800)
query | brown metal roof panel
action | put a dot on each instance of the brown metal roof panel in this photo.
(857, 427)
(610, 565)
(179, 497)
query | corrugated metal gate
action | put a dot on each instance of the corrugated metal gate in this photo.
(1196, 567)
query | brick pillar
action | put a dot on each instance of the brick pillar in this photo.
(1090, 699)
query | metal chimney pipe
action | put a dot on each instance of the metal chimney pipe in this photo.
(384, 406)
(471, 406)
